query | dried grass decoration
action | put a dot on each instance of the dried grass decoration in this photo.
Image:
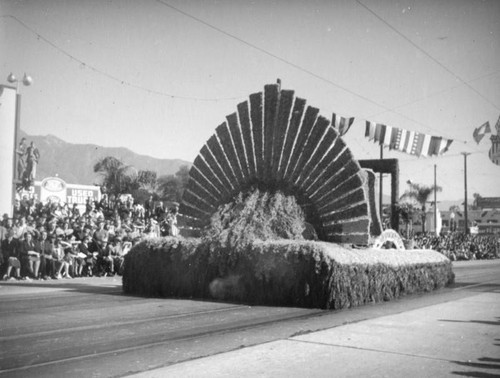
(254, 252)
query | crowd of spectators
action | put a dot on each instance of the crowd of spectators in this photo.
(460, 246)
(55, 240)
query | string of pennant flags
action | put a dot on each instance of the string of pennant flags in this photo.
(416, 143)
(410, 142)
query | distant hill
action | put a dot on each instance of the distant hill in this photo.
(74, 163)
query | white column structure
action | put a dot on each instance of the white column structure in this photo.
(10, 120)
(8, 126)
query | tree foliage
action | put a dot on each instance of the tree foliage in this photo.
(117, 177)
(406, 211)
(172, 186)
(420, 194)
(475, 203)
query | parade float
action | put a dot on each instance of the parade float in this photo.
(285, 215)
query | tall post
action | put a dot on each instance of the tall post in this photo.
(435, 201)
(465, 193)
(381, 187)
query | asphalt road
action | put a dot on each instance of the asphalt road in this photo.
(88, 327)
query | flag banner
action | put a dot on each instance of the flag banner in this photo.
(370, 130)
(410, 142)
(342, 124)
(480, 132)
(426, 148)
(386, 140)
(402, 140)
(410, 137)
(378, 132)
(434, 145)
(395, 138)
(494, 153)
(444, 145)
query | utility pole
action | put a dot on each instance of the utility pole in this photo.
(435, 201)
(465, 189)
(381, 186)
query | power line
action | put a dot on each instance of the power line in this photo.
(427, 54)
(440, 92)
(155, 92)
(298, 67)
(109, 76)
(266, 52)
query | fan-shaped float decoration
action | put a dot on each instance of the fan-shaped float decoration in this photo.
(275, 142)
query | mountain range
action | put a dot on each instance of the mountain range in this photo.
(74, 163)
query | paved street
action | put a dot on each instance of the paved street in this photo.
(87, 327)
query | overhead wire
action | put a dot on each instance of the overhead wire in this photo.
(156, 92)
(299, 67)
(427, 54)
(108, 75)
(464, 82)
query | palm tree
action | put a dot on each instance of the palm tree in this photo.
(420, 194)
(406, 212)
(475, 204)
(173, 186)
(117, 176)
(147, 184)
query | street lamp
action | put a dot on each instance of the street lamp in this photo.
(27, 80)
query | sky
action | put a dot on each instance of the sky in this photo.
(158, 76)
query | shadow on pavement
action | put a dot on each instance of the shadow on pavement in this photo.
(492, 365)
(105, 287)
(486, 363)
(481, 287)
(486, 322)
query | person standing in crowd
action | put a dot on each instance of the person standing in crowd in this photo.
(11, 251)
(172, 221)
(30, 259)
(152, 229)
(44, 247)
(86, 249)
(101, 235)
(21, 228)
(52, 228)
(105, 260)
(3, 236)
(159, 210)
(116, 251)
(62, 266)
(149, 206)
